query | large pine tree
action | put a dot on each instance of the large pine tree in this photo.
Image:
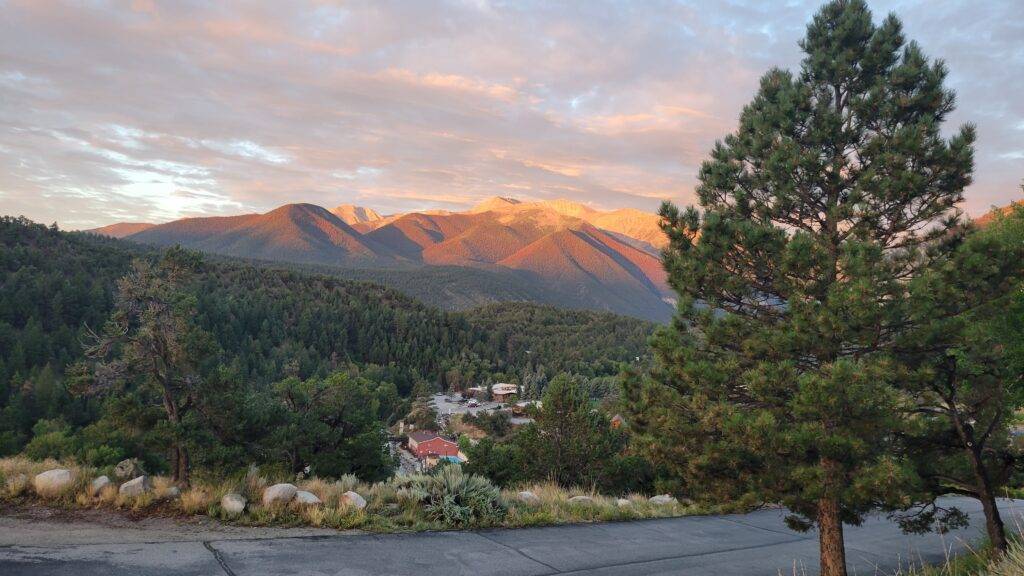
(776, 379)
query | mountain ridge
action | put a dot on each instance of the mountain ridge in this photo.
(585, 257)
(352, 214)
(121, 229)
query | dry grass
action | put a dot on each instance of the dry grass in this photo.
(15, 465)
(459, 426)
(161, 485)
(107, 496)
(196, 500)
(16, 485)
(554, 507)
(973, 563)
(1010, 565)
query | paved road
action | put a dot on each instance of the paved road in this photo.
(749, 544)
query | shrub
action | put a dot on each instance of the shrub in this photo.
(347, 482)
(103, 456)
(458, 499)
(51, 439)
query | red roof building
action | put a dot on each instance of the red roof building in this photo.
(420, 436)
(436, 446)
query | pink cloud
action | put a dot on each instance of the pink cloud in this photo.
(110, 108)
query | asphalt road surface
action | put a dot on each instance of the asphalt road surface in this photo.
(748, 544)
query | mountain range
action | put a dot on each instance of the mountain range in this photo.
(555, 252)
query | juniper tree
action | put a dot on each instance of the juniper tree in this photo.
(775, 380)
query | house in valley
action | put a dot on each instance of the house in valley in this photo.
(503, 392)
(431, 448)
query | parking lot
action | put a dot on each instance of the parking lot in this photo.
(446, 407)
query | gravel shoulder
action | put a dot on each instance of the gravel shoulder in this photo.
(48, 527)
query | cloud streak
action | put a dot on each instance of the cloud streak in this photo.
(152, 110)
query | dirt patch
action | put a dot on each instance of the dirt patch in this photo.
(35, 525)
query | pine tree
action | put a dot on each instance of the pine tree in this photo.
(151, 343)
(776, 379)
(964, 362)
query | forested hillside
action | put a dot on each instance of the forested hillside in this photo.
(266, 325)
(452, 288)
(559, 340)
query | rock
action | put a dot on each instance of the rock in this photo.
(135, 487)
(279, 493)
(353, 499)
(581, 500)
(623, 503)
(53, 482)
(128, 469)
(171, 493)
(307, 498)
(233, 504)
(527, 497)
(97, 485)
(662, 500)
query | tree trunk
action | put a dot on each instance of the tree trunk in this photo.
(830, 537)
(181, 466)
(993, 521)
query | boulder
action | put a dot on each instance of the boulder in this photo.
(233, 504)
(279, 494)
(171, 493)
(663, 500)
(53, 482)
(581, 500)
(135, 487)
(353, 499)
(623, 503)
(97, 485)
(128, 469)
(307, 498)
(527, 497)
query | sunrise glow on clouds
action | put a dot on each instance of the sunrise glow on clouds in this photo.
(149, 111)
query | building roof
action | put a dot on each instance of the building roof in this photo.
(441, 439)
(504, 388)
(422, 435)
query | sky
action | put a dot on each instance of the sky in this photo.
(151, 111)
